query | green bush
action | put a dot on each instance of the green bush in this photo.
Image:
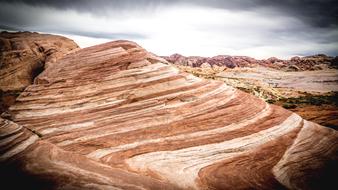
(289, 106)
(270, 101)
(314, 100)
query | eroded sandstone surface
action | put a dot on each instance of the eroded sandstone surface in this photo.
(33, 163)
(24, 55)
(115, 116)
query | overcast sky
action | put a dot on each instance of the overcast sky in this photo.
(257, 28)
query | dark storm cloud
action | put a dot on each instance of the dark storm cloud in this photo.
(108, 35)
(4, 27)
(195, 27)
(318, 13)
(11, 20)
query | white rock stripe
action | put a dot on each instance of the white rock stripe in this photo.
(9, 139)
(4, 131)
(185, 163)
(99, 153)
(19, 148)
(126, 77)
(42, 110)
(123, 77)
(73, 168)
(136, 104)
(155, 121)
(67, 127)
(90, 89)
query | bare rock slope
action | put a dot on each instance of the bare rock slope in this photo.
(24, 55)
(115, 116)
(37, 164)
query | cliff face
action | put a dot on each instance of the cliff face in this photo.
(117, 116)
(24, 55)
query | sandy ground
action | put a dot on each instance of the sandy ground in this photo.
(278, 86)
(321, 81)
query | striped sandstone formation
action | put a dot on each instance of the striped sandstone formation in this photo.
(116, 116)
(37, 164)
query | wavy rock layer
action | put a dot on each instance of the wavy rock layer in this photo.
(38, 164)
(122, 108)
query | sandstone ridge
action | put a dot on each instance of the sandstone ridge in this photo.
(116, 116)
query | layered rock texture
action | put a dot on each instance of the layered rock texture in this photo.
(115, 116)
(38, 164)
(23, 55)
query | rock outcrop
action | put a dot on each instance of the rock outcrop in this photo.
(315, 62)
(23, 55)
(115, 115)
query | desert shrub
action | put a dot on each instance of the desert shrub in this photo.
(314, 100)
(270, 101)
(289, 105)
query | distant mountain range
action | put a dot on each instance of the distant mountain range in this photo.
(314, 62)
